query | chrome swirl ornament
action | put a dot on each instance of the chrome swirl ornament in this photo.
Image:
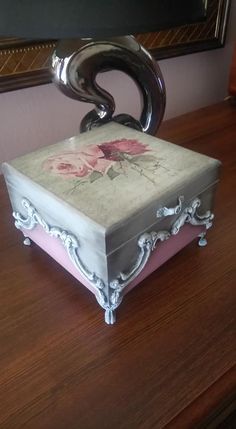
(76, 63)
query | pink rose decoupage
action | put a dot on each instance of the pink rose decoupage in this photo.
(110, 159)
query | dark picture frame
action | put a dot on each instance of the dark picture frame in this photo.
(187, 39)
(24, 63)
(27, 63)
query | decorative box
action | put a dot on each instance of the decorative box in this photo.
(112, 205)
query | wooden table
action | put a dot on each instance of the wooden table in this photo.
(168, 361)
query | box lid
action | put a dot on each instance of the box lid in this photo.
(118, 177)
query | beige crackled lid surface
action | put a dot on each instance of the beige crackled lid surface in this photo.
(112, 172)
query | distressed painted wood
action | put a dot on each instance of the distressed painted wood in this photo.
(112, 205)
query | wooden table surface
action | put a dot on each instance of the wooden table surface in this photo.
(169, 360)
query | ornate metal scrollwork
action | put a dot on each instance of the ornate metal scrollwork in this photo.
(110, 296)
(147, 243)
(165, 211)
(69, 241)
(190, 215)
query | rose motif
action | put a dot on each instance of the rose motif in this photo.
(113, 150)
(90, 160)
(78, 163)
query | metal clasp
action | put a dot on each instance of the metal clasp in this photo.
(165, 211)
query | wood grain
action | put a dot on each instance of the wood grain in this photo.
(167, 362)
(232, 75)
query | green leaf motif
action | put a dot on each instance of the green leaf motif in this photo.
(95, 175)
(112, 174)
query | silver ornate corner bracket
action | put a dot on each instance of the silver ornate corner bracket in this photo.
(165, 211)
(148, 241)
(109, 296)
(69, 241)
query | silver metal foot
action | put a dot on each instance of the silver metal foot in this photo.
(27, 241)
(110, 316)
(202, 242)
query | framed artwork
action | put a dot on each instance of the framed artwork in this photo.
(24, 63)
(27, 63)
(191, 38)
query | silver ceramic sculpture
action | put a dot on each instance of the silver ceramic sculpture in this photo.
(75, 66)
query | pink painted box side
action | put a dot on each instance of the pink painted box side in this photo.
(164, 251)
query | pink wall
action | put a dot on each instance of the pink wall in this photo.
(41, 115)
